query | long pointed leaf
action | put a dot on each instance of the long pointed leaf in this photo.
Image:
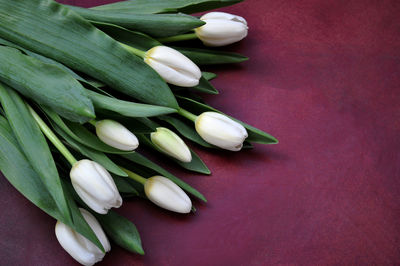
(136, 39)
(122, 231)
(130, 109)
(45, 83)
(166, 6)
(52, 30)
(21, 175)
(89, 82)
(172, 24)
(211, 57)
(34, 145)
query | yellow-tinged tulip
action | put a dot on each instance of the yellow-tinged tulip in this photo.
(171, 144)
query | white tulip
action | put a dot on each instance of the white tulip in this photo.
(166, 194)
(221, 29)
(171, 144)
(116, 135)
(78, 246)
(173, 66)
(95, 186)
(221, 131)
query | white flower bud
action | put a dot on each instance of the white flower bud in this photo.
(78, 246)
(116, 135)
(166, 194)
(95, 186)
(173, 66)
(221, 131)
(221, 29)
(171, 144)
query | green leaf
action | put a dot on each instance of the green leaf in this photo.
(122, 231)
(211, 57)
(143, 161)
(94, 155)
(186, 130)
(88, 81)
(130, 109)
(135, 39)
(209, 76)
(166, 6)
(54, 31)
(41, 58)
(172, 24)
(255, 134)
(45, 83)
(124, 187)
(21, 175)
(34, 145)
(80, 134)
(196, 165)
(204, 87)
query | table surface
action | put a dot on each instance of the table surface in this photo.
(323, 77)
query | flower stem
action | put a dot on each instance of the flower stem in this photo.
(93, 122)
(52, 137)
(178, 38)
(187, 114)
(134, 176)
(133, 50)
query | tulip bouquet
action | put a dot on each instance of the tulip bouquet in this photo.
(81, 89)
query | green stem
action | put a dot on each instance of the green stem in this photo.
(178, 38)
(187, 114)
(133, 50)
(93, 122)
(134, 176)
(52, 137)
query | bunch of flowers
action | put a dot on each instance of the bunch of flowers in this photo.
(97, 83)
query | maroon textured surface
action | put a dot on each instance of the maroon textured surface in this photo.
(324, 78)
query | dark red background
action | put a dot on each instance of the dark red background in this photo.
(324, 79)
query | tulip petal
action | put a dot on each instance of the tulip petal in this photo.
(166, 194)
(221, 131)
(73, 243)
(116, 135)
(173, 66)
(171, 144)
(95, 186)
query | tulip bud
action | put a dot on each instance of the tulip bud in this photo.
(95, 186)
(116, 135)
(166, 194)
(171, 144)
(173, 66)
(221, 29)
(78, 246)
(221, 131)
